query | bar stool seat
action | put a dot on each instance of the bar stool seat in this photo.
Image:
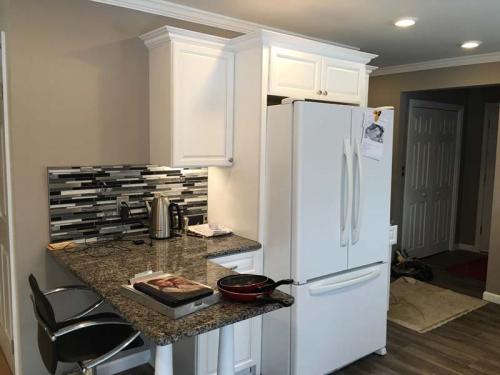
(89, 343)
(88, 340)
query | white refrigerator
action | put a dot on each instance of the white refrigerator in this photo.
(327, 206)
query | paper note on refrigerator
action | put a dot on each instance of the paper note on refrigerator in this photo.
(372, 143)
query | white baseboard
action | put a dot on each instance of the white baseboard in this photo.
(466, 247)
(491, 297)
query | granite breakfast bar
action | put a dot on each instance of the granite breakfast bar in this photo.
(105, 266)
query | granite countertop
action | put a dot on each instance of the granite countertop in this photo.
(106, 266)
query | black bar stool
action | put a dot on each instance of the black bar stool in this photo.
(87, 340)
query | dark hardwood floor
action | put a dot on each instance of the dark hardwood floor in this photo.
(469, 345)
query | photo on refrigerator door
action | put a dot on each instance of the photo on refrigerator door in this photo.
(375, 133)
(372, 143)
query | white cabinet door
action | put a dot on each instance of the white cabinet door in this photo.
(342, 81)
(202, 105)
(191, 87)
(294, 73)
(247, 334)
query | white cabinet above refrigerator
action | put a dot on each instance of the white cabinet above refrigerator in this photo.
(299, 74)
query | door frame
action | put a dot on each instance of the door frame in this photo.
(484, 160)
(10, 215)
(456, 177)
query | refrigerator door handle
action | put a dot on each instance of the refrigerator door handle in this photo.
(344, 232)
(319, 288)
(358, 196)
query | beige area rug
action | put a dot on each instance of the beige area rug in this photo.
(422, 307)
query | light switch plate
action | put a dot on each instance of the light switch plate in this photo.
(393, 234)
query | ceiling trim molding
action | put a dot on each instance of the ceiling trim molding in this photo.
(203, 17)
(438, 64)
(185, 13)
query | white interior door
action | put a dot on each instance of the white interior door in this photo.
(486, 181)
(321, 171)
(6, 331)
(431, 178)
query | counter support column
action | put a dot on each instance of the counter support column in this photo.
(225, 363)
(164, 360)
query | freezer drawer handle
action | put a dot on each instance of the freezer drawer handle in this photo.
(318, 289)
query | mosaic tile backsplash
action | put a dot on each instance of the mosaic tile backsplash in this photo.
(82, 200)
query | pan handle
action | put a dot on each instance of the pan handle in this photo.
(273, 286)
(282, 302)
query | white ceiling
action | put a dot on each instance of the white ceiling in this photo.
(367, 24)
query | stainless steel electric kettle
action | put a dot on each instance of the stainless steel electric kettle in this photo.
(161, 217)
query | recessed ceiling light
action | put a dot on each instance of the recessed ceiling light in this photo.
(471, 44)
(405, 22)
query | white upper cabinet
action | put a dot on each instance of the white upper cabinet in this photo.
(309, 69)
(191, 98)
(342, 81)
(294, 73)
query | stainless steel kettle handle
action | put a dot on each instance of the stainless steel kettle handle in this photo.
(171, 208)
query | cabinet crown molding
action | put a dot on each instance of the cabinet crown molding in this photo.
(263, 37)
(165, 34)
(268, 37)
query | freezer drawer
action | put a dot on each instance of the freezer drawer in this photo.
(338, 320)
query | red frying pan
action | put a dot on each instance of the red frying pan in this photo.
(248, 283)
(251, 288)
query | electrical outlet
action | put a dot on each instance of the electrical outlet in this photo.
(119, 201)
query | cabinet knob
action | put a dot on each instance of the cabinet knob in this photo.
(230, 160)
(325, 92)
(320, 92)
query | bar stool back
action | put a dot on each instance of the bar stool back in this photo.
(87, 340)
